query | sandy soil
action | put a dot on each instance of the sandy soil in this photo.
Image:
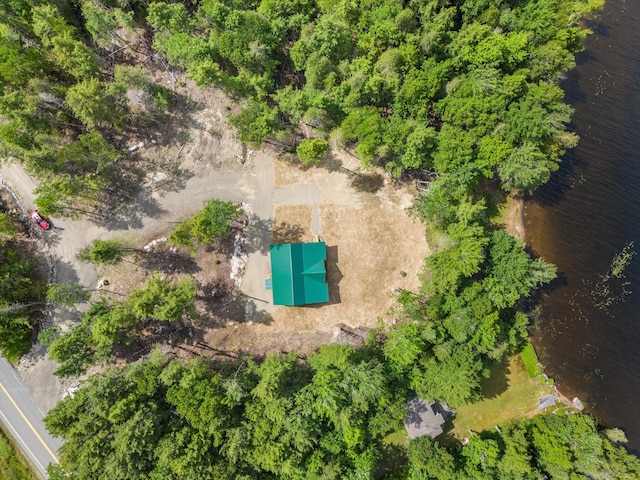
(514, 216)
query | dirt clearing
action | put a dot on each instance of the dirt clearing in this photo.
(292, 224)
(373, 249)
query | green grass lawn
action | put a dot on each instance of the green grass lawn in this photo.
(398, 438)
(508, 394)
(530, 360)
(12, 464)
(394, 451)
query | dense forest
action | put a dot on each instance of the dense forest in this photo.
(321, 418)
(457, 93)
(21, 288)
(460, 88)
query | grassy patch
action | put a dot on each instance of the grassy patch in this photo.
(530, 360)
(496, 201)
(394, 452)
(508, 394)
(398, 438)
(12, 465)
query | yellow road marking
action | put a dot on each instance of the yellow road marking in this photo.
(28, 423)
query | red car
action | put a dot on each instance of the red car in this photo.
(42, 223)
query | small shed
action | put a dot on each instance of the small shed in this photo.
(424, 418)
(548, 401)
(299, 273)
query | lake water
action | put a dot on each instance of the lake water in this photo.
(588, 331)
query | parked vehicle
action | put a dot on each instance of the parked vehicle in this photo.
(40, 221)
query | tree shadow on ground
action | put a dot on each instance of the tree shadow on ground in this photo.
(129, 196)
(188, 334)
(331, 162)
(125, 201)
(259, 235)
(221, 303)
(393, 458)
(334, 275)
(132, 216)
(223, 245)
(65, 272)
(367, 182)
(167, 175)
(165, 127)
(174, 128)
(157, 163)
(284, 232)
(255, 314)
(156, 332)
(205, 350)
(498, 382)
(168, 261)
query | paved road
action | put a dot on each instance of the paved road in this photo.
(23, 418)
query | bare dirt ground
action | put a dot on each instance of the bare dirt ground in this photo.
(514, 217)
(374, 248)
(292, 224)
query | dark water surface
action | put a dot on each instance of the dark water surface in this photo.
(584, 217)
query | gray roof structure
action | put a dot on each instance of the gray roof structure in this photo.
(548, 401)
(424, 418)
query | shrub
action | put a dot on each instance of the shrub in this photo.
(311, 151)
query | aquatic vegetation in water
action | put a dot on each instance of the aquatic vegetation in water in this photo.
(612, 287)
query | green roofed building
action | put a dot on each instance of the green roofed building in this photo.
(299, 273)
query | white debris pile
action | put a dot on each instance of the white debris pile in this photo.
(36, 354)
(239, 260)
(136, 147)
(244, 158)
(153, 179)
(15, 197)
(248, 211)
(71, 391)
(249, 309)
(151, 246)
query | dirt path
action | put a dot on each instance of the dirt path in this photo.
(68, 236)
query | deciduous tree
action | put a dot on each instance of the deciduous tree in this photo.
(107, 252)
(163, 300)
(213, 221)
(67, 293)
(311, 151)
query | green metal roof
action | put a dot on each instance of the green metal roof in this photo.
(299, 274)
